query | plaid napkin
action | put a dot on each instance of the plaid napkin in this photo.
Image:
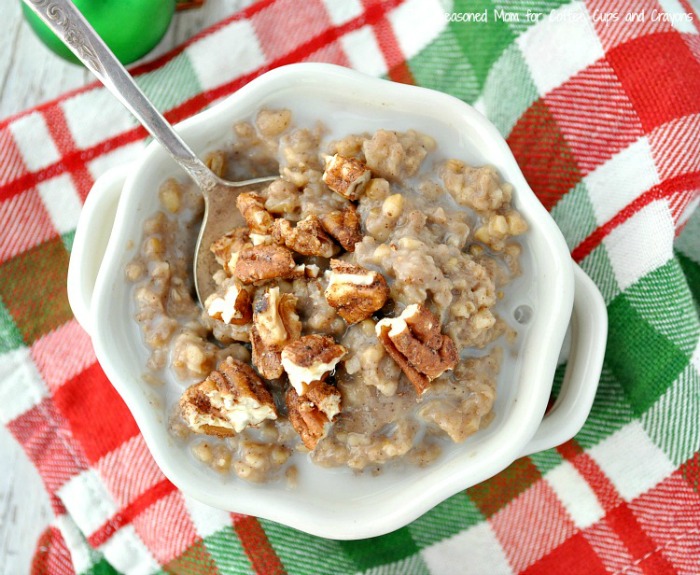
(603, 116)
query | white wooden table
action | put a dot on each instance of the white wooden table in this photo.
(29, 75)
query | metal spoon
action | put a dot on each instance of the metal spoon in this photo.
(70, 26)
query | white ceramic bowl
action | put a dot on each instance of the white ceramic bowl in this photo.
(337, 503)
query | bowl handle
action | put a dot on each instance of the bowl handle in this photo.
(90, 242)
(589, 331)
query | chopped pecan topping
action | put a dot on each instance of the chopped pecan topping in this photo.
(344, 226)
(312, 413)
(228, 246)
(355, 292)
(267, 361)
(252, 206)
(311, 271)
(276, 319)
(233, 307)
(261, 239)
(275, 324)
(308, 237)
(227, 401)
(310, 358)
(261, 263)
(415, 342)
(346, 176)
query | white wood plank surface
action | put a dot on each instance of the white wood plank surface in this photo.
(29, 75)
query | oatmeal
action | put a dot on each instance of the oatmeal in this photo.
(354, 320)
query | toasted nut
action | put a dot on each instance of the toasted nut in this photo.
(346, 176)
(267, 361)
(227, 247)
(261, 239)
(326, 398)
(252, 206)
(415, 342)
(419, 380)
(275, 324)
(227, 401)
(311, 271)
(311, 414)
(233, 307)
(344, 226)
(308, 237)
(261, 263)
(276, 319)
(423, 344)
(424, 325)
(355, 292)
(310, 358)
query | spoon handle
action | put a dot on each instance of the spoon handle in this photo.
(66, 21)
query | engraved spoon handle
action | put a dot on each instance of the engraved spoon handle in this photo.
(70, 26)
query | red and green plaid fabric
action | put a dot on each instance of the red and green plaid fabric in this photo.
(604, 119)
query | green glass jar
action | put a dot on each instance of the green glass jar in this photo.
(131, 28)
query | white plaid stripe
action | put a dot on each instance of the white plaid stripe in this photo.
(127, 554)
(80, 552)
(411, 38)
(119, 157)
(226, 54)
(32, 137)
(23, 387)
(620, 180)
(88, 501)
(342, 12)
(363, 51)
(576, 494)
(207, 520)
(62, 202)
(631, 461)
(679, 18)
(566, 32)
(485, 553)
(95, 116)
(641, 244)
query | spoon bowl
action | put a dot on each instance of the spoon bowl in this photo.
(66, 21)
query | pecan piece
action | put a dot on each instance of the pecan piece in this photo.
(233, 307)
(228, 246)
(267, 361)
(355, 292)
(227, 401)
(252, 206)
(308, 237)
(344, 226)
(310, 358)
(312, 413)
(265, 262)
(346, 176)
(415, 342)
(275, 324)
(276, 319)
